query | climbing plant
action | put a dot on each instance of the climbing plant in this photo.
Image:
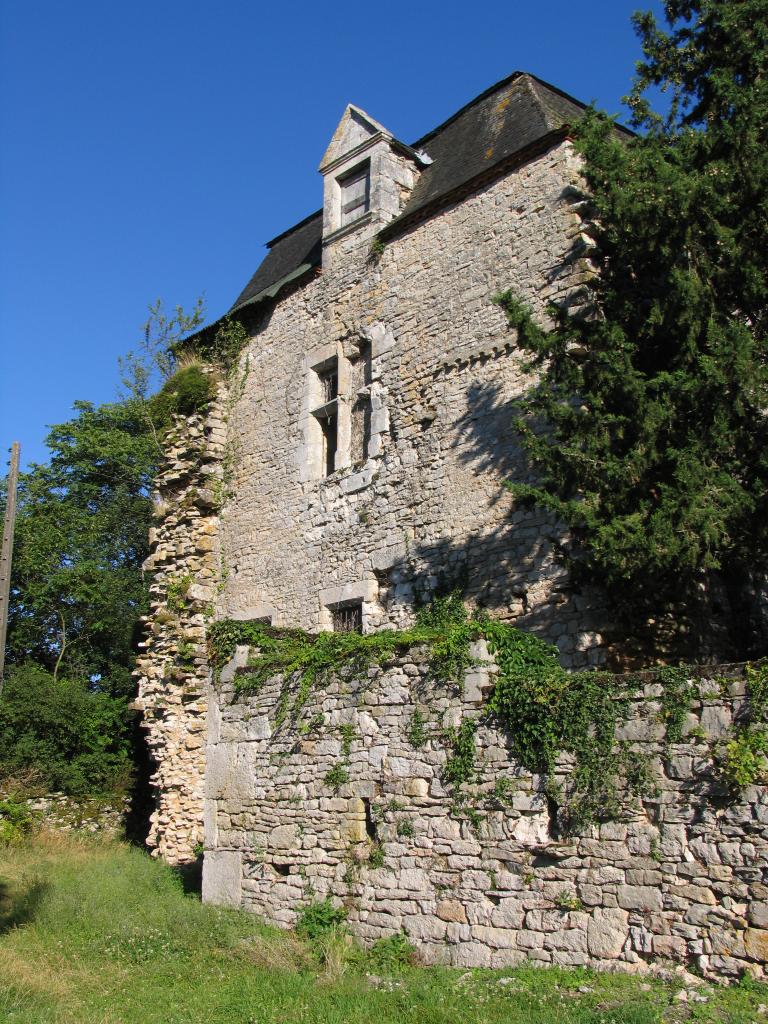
(546, 712)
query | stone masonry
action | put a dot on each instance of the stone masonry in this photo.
(172, 669)
(426, 374)
(680, 877)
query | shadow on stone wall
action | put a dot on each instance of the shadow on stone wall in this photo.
(514, 568)
(142, 798)
(518, 570)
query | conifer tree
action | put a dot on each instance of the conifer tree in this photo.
(654, 387)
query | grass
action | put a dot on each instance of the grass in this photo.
(95, 932)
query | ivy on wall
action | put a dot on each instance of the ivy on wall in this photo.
(545, 711)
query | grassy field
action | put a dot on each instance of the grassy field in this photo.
(95, 932)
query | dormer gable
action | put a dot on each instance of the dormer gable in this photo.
(367, 177)
(356, 131)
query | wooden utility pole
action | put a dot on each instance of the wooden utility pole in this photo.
(6, 552)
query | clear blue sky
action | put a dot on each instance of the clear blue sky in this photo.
(150, 149)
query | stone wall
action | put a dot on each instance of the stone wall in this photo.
(681, 877)
(172, 670)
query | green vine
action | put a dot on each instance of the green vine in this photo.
(306, 658)
(757, 691)
(545, 711)
(460, 766)
(415, 731)
(677, 695)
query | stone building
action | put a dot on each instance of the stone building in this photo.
(370, 437)
(352, 464)
(355, 461)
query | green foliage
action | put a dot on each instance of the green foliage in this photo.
(307, 658)
(16, 822)
(460, 765)
(743, 760)
(546, 711)
(318, 918)
(376, 250)
(189, 391)
(376, 856)
(77, 589)
(443, 612)
(653, 391)
(177, 591)
(347, 731)
(503, 790)
(63, 733)
(677, 694)
(474, 817)
(415, 732)
(81, 536)
(757, 691)
(405, 829)
(568, 901)
(222, 348)
(336, 777)
(392, 953)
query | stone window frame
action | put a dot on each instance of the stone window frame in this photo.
(324, 388)
(365, 593)
(310, 455)
(347, 617)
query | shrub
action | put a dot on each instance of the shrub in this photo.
(336, 777)
(392, 952)
(16, 821)
(743, 761)
(319, 918)
(189, 391)
(66, 733)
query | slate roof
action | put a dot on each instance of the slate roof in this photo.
(506, 120)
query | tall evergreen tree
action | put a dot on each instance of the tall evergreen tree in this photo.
(654, 388)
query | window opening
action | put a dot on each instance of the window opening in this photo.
(329, 384)
(327, 413)
(348, 618)
(360, 369)
(330, 427)
(355, 194)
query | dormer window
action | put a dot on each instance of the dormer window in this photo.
(355, 193)
(367, 176)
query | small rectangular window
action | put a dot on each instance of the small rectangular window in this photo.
(355, 194)
(348, 618)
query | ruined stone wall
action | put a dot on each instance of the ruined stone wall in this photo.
(172, 669)
(681, 876)
(427, 504)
